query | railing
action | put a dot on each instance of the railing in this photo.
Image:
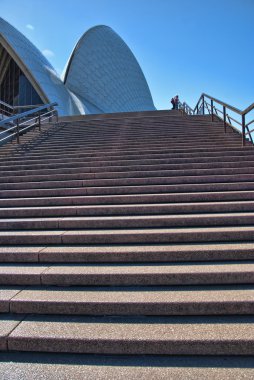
(23, 122)
(6, 110)
(211, 105)
(185, 108)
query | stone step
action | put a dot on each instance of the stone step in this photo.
(135, 125)
(133, 147)
(172, 170)
(191, 300)
(130, 134)
(129, 236)
(105, 143)
(165, 176)
(115, 172)
(29, 149)
(132, 139)
(118, 135)
(182, 157)
(128, 253)
(153, 274)
(129, 221)
(140, 126)
(187, 164)
(128, 209)
(129, 199)
(206, 335)
(177, 184)
(76, 162)
(170, 235)
(28, 156)
(45, 366)
(123, 151)
(127, 186)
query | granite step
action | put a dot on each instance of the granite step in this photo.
(142, 129)
(129, 274)
(132, 147)
(105, 143)
(146, 130)
(45, 366)
(116, 136)
(29, 151)
(99, 187)
(130, 253)
(83, 162)
(199, 335)
(166, 235)
(137, 178)
(174, 158)
(191, 300)
(172, 170)
(27, 154)
(133, 139)
(128, 209)
(138, 127)
(170, 177)
(131, 135)
(80, 163)
(129, 221)
(123, 151)
(90, 199)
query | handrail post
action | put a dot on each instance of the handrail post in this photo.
(56, 115)
(17, 131)
(203, 105)
(212, 109)
(243, 130)
(224, 119)
(39, 122)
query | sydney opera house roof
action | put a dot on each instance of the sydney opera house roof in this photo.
(101, 76)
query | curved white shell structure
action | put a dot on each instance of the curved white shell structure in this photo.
(102, 74)
(37, 69)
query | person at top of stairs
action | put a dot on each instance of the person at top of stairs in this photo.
(175, 102)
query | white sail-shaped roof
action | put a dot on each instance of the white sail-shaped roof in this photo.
(37, 69)
(103, 72)
(102, 75)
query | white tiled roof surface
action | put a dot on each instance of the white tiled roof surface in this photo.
(104, 73)
(39, 67)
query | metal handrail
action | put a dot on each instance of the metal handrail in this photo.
(14, 123)
(185, 108)
(9, 110)
(202, 105)
(5, 109)
(18, 107)
(6, 105)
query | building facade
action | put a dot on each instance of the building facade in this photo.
(101, 76)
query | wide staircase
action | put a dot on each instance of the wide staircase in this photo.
(127, 250)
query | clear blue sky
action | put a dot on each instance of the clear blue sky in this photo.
(184, 47)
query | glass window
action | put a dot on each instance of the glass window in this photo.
(15, 88)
